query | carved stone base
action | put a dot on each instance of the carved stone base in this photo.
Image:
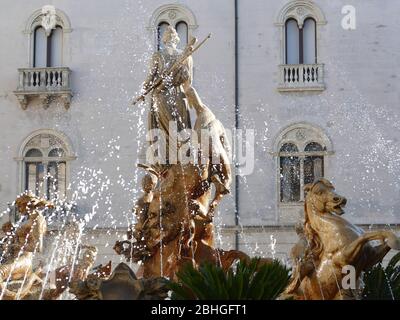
(122, 285)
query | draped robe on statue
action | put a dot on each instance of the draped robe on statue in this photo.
(169, 102)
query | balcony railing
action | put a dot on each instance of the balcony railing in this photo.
(301, 77)
(44, 83)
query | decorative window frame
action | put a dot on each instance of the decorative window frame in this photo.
(34, 21)
(61, 141)
(299, 10)
(172, 14)
(300, 134)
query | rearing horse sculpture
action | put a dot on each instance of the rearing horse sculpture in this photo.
(329, 244)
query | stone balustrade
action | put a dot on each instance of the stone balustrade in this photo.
(301, 77)
(45, 83)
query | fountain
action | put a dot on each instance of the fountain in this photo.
(18, 278)
(175, 214)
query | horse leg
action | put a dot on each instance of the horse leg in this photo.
(353, 250)
(378, 253)
(227, 258)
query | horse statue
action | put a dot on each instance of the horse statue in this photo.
(330, 245)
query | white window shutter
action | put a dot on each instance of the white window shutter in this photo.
(309, 44)
(292, 42)
(40, 48)
(56, 47)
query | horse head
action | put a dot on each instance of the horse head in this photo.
(321, 196)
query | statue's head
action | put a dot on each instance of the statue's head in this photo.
(323, 198)
(170, 37)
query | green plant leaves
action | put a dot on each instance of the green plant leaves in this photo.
(383, 283)
(243, 282)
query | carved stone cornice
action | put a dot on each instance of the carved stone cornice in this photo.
(300, 10)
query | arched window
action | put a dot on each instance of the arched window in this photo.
(160, 32)
(176, 15)
(289, 173)
(300, 22)
(313, 162)
(48, 49)
(302, 149)
(301, 43)
(292, 42)
(182, 29)
(45, 159)
(47, 29)
(34, 170)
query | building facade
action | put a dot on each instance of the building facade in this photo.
(315, 81)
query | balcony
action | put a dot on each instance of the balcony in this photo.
(45, 84)
(301, 77)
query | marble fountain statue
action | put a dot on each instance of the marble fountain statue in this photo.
(175, 213)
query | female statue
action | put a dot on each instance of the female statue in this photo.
(168, 99)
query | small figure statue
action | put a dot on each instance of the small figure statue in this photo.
(301, 260)
(144, 224)
(80, 272)
(149, 183)
(24, 240)
(7, 243)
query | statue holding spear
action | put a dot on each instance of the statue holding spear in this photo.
(170, 85)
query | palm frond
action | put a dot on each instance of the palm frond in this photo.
(242, 282)
(383, 283)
